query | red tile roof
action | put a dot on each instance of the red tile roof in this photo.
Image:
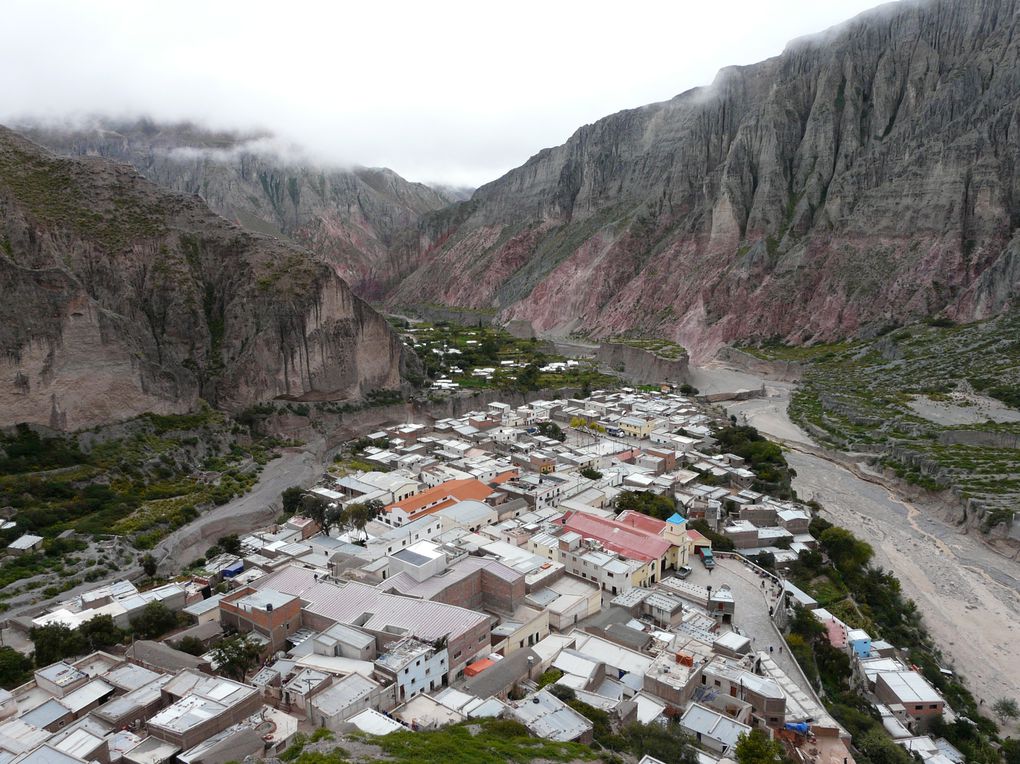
(617, 537)
(641, 522)
(443, 495)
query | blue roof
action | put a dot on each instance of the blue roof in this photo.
(676, 518)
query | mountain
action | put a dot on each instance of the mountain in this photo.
(119, 297)
(362, 220)
(863, 178)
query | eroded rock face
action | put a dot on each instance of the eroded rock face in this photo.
(117, 297)
(361, 220)
(866, 176)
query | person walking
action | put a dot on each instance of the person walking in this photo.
(770, 649)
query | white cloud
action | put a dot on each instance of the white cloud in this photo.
(457, 92)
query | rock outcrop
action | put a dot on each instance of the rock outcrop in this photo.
(641, 365)
(361, 220)
(117, 297)
(865, 177)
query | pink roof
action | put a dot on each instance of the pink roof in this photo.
(641, 522)
(837, 634)
(698, 538)
(618, 537)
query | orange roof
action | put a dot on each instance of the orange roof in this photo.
(443, 495)
(477, 667)
(504, 476)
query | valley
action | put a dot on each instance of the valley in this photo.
(968, 592)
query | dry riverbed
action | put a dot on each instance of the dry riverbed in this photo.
(969, 593)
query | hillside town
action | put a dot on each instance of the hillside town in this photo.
(516, 562)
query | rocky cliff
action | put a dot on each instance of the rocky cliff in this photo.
(119, 297)
(361, 220)
(865, 177)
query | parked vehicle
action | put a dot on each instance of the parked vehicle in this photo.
(683, 571)
(707, 559)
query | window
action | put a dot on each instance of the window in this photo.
(934, 705)
(406, 670)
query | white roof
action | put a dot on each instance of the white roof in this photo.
(704, 721)
(343, 694)
(910, 687)
(374, 723)
(25, 542)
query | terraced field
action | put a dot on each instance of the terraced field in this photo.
(937, 403)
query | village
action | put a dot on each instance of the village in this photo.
(518, 562)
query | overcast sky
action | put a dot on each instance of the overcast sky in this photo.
(439, 91)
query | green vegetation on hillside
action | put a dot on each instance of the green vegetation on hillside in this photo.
(455, 352)
(763, 457)
(899, 395)
(667, 349)
(139, 480)
(869, 598)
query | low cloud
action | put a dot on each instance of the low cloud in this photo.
(454, 92)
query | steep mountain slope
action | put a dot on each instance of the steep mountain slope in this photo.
(361, 219)
(117, 297)
(864, 177)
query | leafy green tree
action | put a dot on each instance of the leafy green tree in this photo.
(314, 507)
(757, 748)
(665, 742)
(291, 498)
(647, 503)
(155, 620)
(591, 473)
(15, 668)
(148, 563)
(1006, 709)
(552, 430)
(100, 633)
(54, 642)
(236, 656)
(362, 513)
(191, 645)
(230, 544)
(847, 553)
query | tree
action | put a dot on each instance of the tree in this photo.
(847, 553)
(230, 544)
(314, 507)
(236, 656)
(647, 503)
(362, 513)
(551, 430)
(148, 563)
(291, 498)
(155, 620)
(665, 742)
(191, 645)
(757, 748)
(591, 473)
(100, 632)
(1006, 709)
(15, 668)
(54, 642)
